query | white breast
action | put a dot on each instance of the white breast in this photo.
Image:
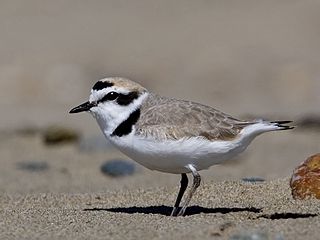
(173, 156)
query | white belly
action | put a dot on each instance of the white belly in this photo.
(172, 156)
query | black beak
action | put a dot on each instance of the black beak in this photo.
(83, 107)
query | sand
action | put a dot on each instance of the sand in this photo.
(72, 199)
(218, 211)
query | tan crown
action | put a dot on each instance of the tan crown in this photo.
(125, 83)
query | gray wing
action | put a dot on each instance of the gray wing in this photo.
(164, 118)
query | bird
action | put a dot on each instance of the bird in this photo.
(167, 134)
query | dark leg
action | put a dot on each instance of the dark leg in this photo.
(195, 185)
(183, 187)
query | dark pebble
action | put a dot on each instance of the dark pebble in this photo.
(33, 166)
(253, 179)
(118, 168)
(312, 121)
(57, 135)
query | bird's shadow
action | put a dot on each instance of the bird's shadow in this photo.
(166, 210)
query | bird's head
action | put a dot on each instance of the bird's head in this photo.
(112, 100)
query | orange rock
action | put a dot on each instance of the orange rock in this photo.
(305, 180)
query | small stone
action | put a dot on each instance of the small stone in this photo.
(253, 179)
(28, 131)
(305, 180)
(312, 121)
(223, 227)
(250, 236)
(33, 166)
(57, 135)
(118, 168)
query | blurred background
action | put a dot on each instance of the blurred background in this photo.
(247, 58)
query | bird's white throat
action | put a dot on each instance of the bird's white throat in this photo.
(111, 115)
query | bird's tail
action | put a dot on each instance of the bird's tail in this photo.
(261, 126)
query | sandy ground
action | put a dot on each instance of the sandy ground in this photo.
(72, 199)
(220, 210)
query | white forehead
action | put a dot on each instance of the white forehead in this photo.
(98, 94)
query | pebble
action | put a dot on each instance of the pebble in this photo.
(255, 235)
(312, 121)
(118, 168)
(305, 180)
(28, 131)
(253, 179)
(57, 135)
(33, 166)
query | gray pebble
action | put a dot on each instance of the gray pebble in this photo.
(118, 168)
(255, 235)
(250, 236)
(312, 121)
(33, 166)
(253, 179)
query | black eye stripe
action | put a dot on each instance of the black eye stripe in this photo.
(122, 99)
(101, 85)
(126, 99)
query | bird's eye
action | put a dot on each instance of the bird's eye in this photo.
(110, 97)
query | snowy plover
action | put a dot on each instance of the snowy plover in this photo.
(169, 135)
